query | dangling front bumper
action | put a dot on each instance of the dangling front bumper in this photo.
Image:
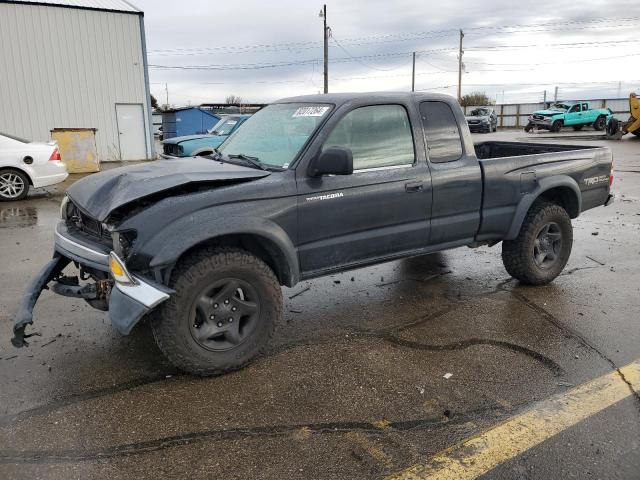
(127, 303)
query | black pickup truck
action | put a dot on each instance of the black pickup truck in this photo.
(309, 186)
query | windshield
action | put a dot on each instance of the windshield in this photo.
(224, 126)
(559, 106)
(276, 133)
(479, 112)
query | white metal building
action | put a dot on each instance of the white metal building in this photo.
(76, 64)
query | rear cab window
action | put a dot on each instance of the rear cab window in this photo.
(444, 143)
(377, 135)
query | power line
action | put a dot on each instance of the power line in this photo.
(384, 38)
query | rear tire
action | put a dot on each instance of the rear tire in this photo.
(223, 313)
(600, 123)
(557, 126)
(542, 248)
(14, 185)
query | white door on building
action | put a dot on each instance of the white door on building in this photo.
(133, 145)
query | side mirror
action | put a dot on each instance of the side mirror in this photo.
(332, 161)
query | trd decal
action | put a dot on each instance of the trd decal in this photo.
(325, 197)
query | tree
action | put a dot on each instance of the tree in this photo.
(154, 103)
(234, 99)
(476, 99)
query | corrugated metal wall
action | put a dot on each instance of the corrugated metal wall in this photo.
(67, 67)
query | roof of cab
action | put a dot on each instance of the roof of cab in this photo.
(341, 98)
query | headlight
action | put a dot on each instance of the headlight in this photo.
(63, 207)
(485, 120)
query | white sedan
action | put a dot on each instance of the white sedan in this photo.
(24, 163)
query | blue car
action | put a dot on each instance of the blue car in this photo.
(200, 145)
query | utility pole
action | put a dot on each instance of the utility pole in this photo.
(555, 95)
(166, 89)
(323, 14)
(544, 99)
(460, 52)
(413, 74)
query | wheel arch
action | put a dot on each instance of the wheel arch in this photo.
(18, 169)
(563, 191)
(263, 238)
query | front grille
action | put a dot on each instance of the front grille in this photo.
(474, 122)
(539, 117)
(90, 226)
(171, 149)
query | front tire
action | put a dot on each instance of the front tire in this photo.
(543, 246)
(556, 126)
(14, 185)
(223, 313)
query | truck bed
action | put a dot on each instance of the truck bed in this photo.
(487, 150)
(513, 172)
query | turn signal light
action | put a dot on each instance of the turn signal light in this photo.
(119, 271)
(55, 156)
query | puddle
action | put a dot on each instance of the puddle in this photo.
(18, 217)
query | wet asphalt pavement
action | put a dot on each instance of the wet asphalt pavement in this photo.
(354, 385)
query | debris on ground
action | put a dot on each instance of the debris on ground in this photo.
(305, 289)
(447, 376)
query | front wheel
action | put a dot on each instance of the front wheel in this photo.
(223, 312)
(556, 126)
(542, 248)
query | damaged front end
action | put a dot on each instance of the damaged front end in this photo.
(102, 280)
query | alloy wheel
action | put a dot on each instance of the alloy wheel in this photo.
(11, 185)
(547, 245)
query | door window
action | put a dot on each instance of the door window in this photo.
(575, 108)
(585, 107)
(378, 136)
(442, 132)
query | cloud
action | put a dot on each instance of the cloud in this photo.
(248, 32)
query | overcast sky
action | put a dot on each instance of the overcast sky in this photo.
(513, 49)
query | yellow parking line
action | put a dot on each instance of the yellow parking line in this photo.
(478, 455)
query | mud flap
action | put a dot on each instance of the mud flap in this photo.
(24, 315)
(124, 311)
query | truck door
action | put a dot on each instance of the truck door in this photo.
(573, 116)
(455, 175)
(380, 210)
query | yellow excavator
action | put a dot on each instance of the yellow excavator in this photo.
(617, 129)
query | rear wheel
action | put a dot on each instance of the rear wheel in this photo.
(557, 126)
(600, 123)
(542, 248)
(14, 185)
(223, 313)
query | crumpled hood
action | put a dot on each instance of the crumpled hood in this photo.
(548, 113)
(101, 193)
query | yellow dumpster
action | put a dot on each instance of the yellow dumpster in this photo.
(77, 149)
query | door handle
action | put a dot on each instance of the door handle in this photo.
(413, 186)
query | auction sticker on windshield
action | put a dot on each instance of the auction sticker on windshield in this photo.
(310, 111)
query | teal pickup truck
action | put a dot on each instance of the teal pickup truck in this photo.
(569, 114)
(205, 144)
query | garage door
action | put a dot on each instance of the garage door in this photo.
(131, 131)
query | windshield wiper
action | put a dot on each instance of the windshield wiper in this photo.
(255, 161)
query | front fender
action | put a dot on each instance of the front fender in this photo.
(544, 184)
(193, 230)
